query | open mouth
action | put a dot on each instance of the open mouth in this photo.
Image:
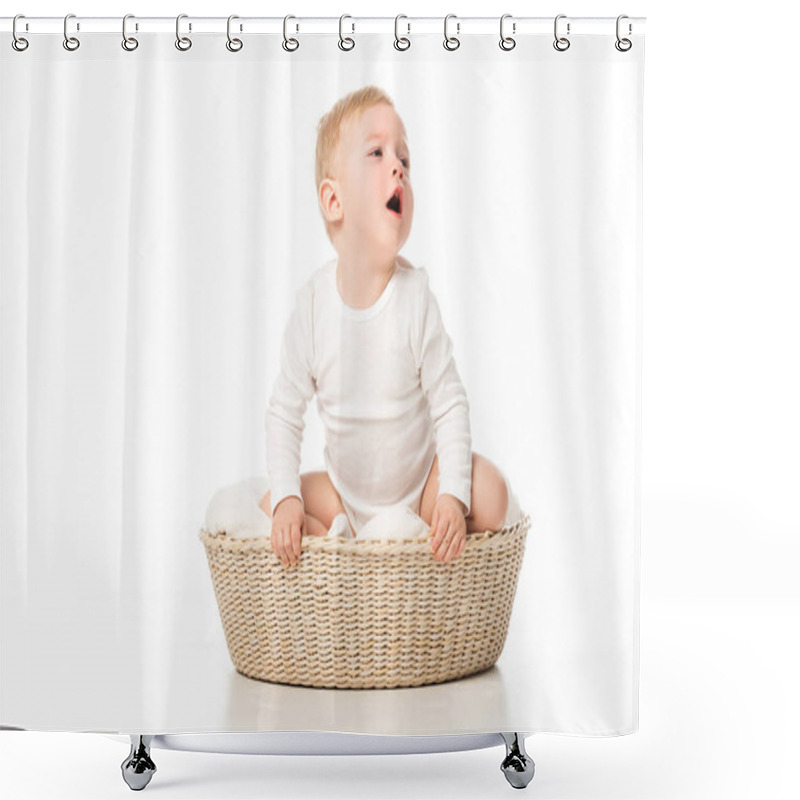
(396, 201)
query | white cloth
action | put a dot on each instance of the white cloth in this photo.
(339, 527)
(235, 510)
(388, 394)
(397, 522)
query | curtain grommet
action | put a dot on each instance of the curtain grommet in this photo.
(623, 45)
(289, 44)
(70, 42)
(129, 43)
(233, 45)
(506, 42)
(561, 43)
(183, 43)
(451, 42)
(17, 41)
(401, 43)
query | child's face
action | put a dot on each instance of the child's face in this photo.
(372, 173)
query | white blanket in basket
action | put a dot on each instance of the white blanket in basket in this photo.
(235, 510)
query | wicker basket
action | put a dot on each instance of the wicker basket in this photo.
(364, 614)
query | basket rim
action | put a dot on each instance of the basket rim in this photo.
(221, 539)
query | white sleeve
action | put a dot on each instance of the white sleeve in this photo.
(294, 387)
(448, 403)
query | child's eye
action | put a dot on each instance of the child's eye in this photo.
(404, 162)
(378, 151)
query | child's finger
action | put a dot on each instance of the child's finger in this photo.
(298, 534)
(443, 544)
(286, 544)
(277, 539)
(273, 539)
(452, 550)
(296, 539)
(441, 538)
(277, 542)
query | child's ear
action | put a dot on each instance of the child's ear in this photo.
(329, 200)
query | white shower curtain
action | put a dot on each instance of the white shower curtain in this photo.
(160, 214)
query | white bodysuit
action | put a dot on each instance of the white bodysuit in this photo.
(388, 394)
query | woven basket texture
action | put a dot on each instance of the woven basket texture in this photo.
(365, 614)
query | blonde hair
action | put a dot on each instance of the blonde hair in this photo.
(329, 129)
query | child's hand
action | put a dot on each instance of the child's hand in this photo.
(448, 527)
(288, 525)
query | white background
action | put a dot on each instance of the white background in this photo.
(721, 436)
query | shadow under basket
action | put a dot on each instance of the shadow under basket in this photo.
(365, 614)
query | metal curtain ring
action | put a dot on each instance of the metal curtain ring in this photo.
(290, 45)
(18, 43)
(128, 42)
(183, 43)
(70, 42)
(561, 43)
(623, 45)
(234, 45)
(506, 42)
(401, 43)
(451, 42)
(345, 43)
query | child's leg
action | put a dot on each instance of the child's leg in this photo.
(489, 504)
(321, 502)
(488, 501)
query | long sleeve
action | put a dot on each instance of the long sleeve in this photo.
(448, 403)
(294, 388)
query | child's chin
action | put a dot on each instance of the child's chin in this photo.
(401, 237)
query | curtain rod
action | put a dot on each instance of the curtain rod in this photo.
(325, 25)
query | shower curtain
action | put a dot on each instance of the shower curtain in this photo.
(165, 258)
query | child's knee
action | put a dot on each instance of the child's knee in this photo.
(491, 496)
(320, 498)
(501, 496)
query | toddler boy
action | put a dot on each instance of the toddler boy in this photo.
(366, 335)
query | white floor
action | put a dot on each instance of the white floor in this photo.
(719, 702)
